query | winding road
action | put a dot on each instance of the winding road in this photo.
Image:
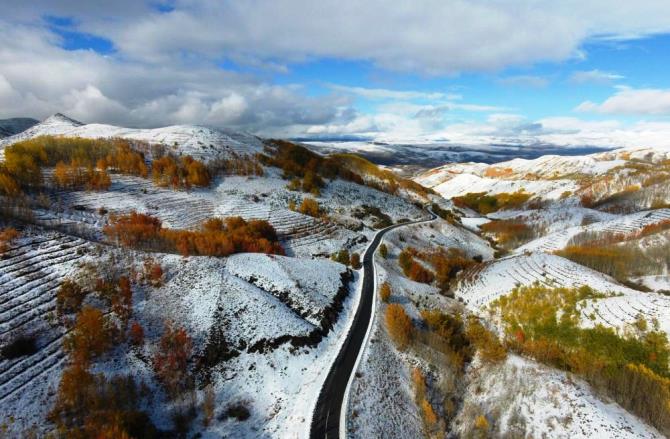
(328, 420)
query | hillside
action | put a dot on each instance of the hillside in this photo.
(200, 142)
(10, 127)
(215, 286)
(259, 317)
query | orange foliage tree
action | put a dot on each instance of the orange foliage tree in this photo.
(217, 237)
(171, 360)
(399, 325)
(7, 238)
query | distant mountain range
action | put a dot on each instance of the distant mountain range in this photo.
(9, 127)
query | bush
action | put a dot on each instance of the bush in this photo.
(91, 336)
(385, 292)
(171, 361)
(383, 251)
(447, 264)
(153, 273)
(7, 238)
(399, 325)
(310, 206)
(238, 411)
(510, 233)
(136, 334)
(69, 297)
(19, 347)
(355, 261)
(486, 342)
(342, 257)
(485, 204)
(91, 406)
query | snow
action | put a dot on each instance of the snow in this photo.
(525, 399)
(200, 142)
(619, 224)
(465, 183)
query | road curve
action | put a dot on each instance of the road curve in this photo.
(327, 413)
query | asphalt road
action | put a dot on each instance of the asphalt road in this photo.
(326, 418)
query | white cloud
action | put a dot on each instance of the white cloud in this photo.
(525, 81)
(629, 101)
(383, 93)
(594, 77)
(434, 37)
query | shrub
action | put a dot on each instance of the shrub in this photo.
(447, 264)
(69, 297)
(383, 251)
(171, 361)
(238, 411)
(355, 261)
(481, 423)
(509, 233)
(91, 336)
(486, 342)
(136, 334)
(385, 292)
(20, 346)
(485, 204)
(399, 325)
(91, 406)
(419, 273)
(153, 273)
(7, 238)
(342, 257)
(310, 206)
(208, 405)
(133, 229)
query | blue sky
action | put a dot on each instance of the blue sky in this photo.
(571, 72)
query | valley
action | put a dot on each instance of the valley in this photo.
(250, 287)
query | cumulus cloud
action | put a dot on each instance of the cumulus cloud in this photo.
(435, 37)
(165, 66)
(630, 101)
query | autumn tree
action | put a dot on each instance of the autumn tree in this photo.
(136, 334)
(153, 273)
(69, 297)
(385, 292)
(342, 257)
(383, 251)
(355, 261)
(399, 325)
(122, 301)
(91, 336)
(7, 238)
(133, 229)
(310, 206)
(485, 341)
(171, 361)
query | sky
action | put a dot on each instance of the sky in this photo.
(569, 72)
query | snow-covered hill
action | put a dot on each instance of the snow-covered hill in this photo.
(198, 141)
(10, 127)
